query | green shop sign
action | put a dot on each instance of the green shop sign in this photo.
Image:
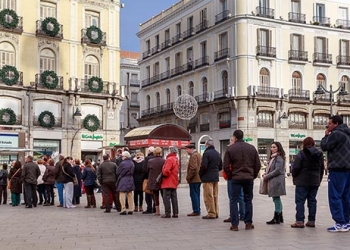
(247, 139)
(297, 135)
(92, 137)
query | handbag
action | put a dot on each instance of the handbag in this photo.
(75, 179)
(160, 178)
(9, 183)
(144, 187)
(263, 187)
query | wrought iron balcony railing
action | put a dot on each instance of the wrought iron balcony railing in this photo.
(146, 54)
(225, 124)
(297, 94)
(204, 61)
(176, 71)
(220, 94)
(145, 83)
(10, 76)
(167, 43)
(192, 127)
(134, 82)
(320, 20)
(265, 123)
(298, 55)
(165, 75)
(322, 58)
(188, 33)
(18, 29)
(267, 92)
(41, 32)
(204, 127)
(156, 49)
(154, 79)
(343, 24)
(86, 39)
(296, 17)
(176, 39)
(202, 98)
(265, 51)
(265, 12)
(58, 121)
(343, 60)
(40, 85)
(201, 26)
(108, 88)
(298, 125)
(221, 54)
(222, 16)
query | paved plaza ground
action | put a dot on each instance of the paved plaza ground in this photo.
(90, 229)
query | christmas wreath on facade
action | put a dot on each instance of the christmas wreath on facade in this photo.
(50, 26)
(9, 75)
(9, 19)
(95, 84)
(49, 79)
(7, 116)
(91, 123)
(46, 119)
(94, 34)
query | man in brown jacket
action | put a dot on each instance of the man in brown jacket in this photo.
(193, 178)
(30, 174)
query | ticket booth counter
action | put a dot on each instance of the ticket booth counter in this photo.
(163, 135)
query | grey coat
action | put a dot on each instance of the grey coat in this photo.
(276, 178)
(125, 173)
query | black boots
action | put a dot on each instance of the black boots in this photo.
(277, 219)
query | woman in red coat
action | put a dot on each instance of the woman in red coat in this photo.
(170, 182)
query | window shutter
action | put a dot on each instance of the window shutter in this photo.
(258, 37)
(315, 44)
(326, 44)
(269, 41)
(291, 41)
(302, 46)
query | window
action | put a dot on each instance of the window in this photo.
(148, 72)
(134, 98)
(321, 79)
(297, 42)
(297, 120)
(320, 12)
(345, 80)
(203, 16)
(190, 22)
(178, 29)
(204, 85)
(295, 6)
(264, 37)
(178, 59)
(189, 54)
(264, 78)
(191, 88)
(156, 69)
(223, 5)
(47, 10)
(47, 60)
(265, 119)
(148, 46)
(92, 18)
(205, 118)
(344, 48)
(296, 83)
(7, 54)
(321, 45)
(92, 67)
(264, 3)
(224, 120)
(224, 79)
(320, 121)
(8, 4)
(148, 102)
(204, 49)
(223, 41)
(346, 119)
(167, 36)
(156, 40)
(179, 90)
(157, 99)
(168, 100)
(343, 14)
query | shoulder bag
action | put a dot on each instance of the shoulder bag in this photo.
(9, 184)
(75, 179)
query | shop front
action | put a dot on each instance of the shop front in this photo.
(12, 147)
(46, 148)
(91, 146)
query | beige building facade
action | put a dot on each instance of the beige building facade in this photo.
(59, 80)
(252, 65)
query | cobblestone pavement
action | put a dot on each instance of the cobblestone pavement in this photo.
(90, 229)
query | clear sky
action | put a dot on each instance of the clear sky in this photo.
(134, 13)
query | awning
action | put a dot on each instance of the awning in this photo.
(320, 112)
(298, 110)
(265, 108)
(343, 112)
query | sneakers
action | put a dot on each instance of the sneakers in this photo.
(338, 228)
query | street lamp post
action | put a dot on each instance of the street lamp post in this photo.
(77, 113)
(320, 91)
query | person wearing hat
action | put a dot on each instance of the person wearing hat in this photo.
(193, 178)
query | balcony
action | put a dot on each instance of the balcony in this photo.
(202, 98)
(297, 125)
(220, 94)
(108, 88)
(192, 127)
(40, 85)
(265, 123)
(176, 71)
(85, 39)
(265, 51)
(18, 29)
(324, 98)
(201, 26)
(343, 61)
(50, 27)
(146, 54)
(156, 49)
(154, 79)
(58, 121)
(297, 94)
(134, 82)
(10, 76)
(165, 75)
(222, 16)
(222, 54)
(323, 21)
(204, 61)
(343, 24)
(322, 58)
(269, 92)
(224, 124)
(145, 112)
(204, 127)
(296, 17)
(134, 104)
(188, 33)
(145, 83)
(176, 39)
(166, 44)
(265, 12)
(187, 67)
(166, 107)
(298, 55)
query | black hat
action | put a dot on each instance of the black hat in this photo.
(192, 145)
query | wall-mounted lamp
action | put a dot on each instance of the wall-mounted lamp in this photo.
(283, 116)
(77, 113)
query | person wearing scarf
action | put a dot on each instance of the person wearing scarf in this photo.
(275, 176)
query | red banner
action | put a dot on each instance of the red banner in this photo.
(157, 142)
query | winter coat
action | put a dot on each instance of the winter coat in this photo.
(170, 172)
(241, 161)
(337, 145)
(89, 177)
(30, 172)
(145, 164)
(106, 172)
(308, 167)
(3, 177)
(59, 176)
(138, 174)
(77, 188)
(210, 166)
(49, 175)
(68, 173)
(276, 178)
(42, 172)
(125, 173)
(193, 168)
(16, 181)
(154, 166)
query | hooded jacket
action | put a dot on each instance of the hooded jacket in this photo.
(308, 167)
(337, 145)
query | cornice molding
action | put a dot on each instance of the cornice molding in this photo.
(105, 4)
(9, 36)
(46, 43)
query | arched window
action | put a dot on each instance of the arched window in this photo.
(265, 119)
(179, 90)
(345, 80)
(7, 54)
(8, 4)
(92, 67)
(224, 78)
(296, 83)
(204, 85)
(297, 120)
(47, 10)
(321, 79)
(148, 102)
(47, 60)
(264, 77)
(168, 100)
(191, 88)
(157, 99)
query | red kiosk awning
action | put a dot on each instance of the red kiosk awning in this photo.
(163, 135)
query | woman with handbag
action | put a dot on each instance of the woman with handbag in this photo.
(49, 181)
(138, 192)
(154, 168)
(77, 188)
(89, 177)
(275, 176)
(68, 177)
(15, 183)
(3, 183)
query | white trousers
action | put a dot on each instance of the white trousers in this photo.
(68, 193)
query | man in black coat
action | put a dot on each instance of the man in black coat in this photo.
(30, 174)
(148, 197)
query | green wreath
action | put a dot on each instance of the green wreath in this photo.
(99, 37)
(91, 82)
(10, 116)
(44, 122)
(91, 123)
(44, 79)
(9, 24)
(55, 26)
(4, 75)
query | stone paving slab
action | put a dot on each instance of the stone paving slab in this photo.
(54, 228)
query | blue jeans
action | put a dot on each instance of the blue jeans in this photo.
(247, 186)
(303, 193)
(339, 196)
(195, 194)
(241, 199)
(59, 187)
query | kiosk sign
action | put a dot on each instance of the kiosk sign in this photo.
(8, 140)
